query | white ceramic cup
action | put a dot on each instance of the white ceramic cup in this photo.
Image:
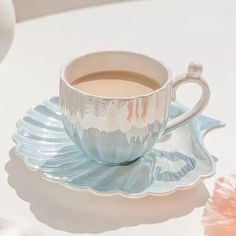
(115, 130)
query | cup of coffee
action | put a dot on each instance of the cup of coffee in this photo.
(115, 105)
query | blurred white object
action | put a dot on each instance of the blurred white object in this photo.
(7, 25)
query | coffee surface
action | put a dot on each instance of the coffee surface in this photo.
(116, 84)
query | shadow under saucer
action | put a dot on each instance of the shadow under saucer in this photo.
(83, 212)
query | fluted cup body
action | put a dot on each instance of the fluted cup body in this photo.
(114, 130)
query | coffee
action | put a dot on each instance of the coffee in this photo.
(116, 84)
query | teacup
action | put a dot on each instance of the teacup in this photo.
(116, 130)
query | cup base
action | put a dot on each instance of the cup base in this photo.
(116, 164)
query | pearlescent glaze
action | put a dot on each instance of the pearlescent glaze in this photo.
(118, 130)
(112, 130)
(178, 161)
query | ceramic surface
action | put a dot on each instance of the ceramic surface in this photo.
(119, 130)
(179, 161)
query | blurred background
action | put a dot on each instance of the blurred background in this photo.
(26, 9)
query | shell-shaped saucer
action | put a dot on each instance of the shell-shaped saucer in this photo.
(178, 161)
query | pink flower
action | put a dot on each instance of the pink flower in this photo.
(219, 217)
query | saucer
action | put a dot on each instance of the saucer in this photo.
(179, 161)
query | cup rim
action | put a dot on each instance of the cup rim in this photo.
(163, 87)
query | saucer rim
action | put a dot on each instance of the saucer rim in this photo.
(126, 194)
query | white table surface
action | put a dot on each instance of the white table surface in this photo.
(175, 32)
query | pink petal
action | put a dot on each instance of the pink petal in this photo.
(219, 217)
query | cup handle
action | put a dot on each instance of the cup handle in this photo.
(193, 75)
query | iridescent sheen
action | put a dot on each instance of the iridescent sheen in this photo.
(178, 161)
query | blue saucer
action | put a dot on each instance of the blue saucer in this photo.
(179, 161)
